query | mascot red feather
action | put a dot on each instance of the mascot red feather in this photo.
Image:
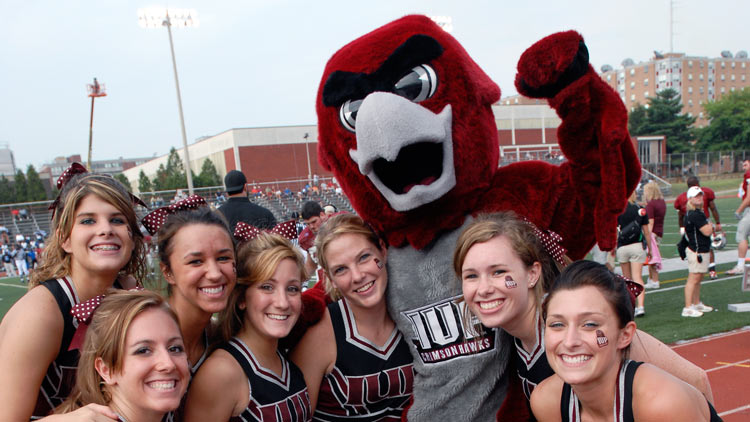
(406, 125)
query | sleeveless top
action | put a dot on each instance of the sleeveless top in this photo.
(61, 374)
(368, 382)
(533, 367)
(272, 397)
(178, 414)
(570, 408)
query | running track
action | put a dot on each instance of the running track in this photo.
(726, 359)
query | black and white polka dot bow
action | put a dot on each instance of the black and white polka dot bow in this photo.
(83, 312)
(551, 241)
(633, 288)
(156, 218)
(245, 232)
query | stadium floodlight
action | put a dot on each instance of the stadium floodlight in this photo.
(95, 90)
(445, 22)
(154, 17)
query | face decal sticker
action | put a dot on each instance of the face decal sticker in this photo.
(379, 263)
(510, 283)
(601, 339)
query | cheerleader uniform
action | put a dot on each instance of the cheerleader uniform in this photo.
(368, 382)
(570, 407)
(281, 398)
(61, 374)
(533, 367)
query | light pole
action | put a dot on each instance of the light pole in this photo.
(95, 90)
(307, 151)
(154, 18)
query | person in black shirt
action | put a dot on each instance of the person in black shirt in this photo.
(698, 231)
(631, 250)
(239, 208)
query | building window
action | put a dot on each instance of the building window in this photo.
(690, 63)
(731, 89)
(645, 94)
(632, 84)
(690, 76)
(609, 77)
(743, 65)
(700, 76)
(743, 77)
(645, 68)
(723, 65)
(690, 90)
(645, 82)
(700, 115)
(732, 77)
(632, 72)
(701, 63)
(700, 89)
(722, 89)
(722, 76)
(690, 103)
(732, 65)
(632, 97)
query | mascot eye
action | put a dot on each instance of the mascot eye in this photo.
(418, 85)
(348, 114)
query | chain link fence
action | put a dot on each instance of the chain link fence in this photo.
(705, 163)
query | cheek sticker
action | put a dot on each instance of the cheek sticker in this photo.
(601, 339)
(379, 263)
(510, 283)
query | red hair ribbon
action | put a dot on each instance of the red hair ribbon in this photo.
(84, 312)
(245, 232)
(551, 241)
(633, 288)
(78, 168)
(156, 218)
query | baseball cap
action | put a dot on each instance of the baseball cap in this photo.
(694, 191)
(234, 181)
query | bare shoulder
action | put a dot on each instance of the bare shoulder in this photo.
(545, 399)
(218, 389)
(318, 339)
(220, 368)
(35, 312)
(658, 395)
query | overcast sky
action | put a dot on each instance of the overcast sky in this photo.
(258, 63)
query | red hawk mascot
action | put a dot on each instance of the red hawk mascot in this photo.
(406, 125)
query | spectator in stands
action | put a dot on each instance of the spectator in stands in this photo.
(709, 203)
(14, 213)
(23, 214)
(330, 209)
(239, 208)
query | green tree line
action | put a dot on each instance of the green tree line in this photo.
(172, 176)
(25, 187)
(729, 127)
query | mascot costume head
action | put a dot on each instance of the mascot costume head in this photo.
(406, 125)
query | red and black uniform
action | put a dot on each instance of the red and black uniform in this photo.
(273, 398)
(533, 367)
(368, 382)
(680, 204)
(570, 407)
(61, 374)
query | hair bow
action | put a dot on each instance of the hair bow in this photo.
(78, 168)
(156, 218)
(551, 241)
(84, 312)
(633, 288)
(245, 232)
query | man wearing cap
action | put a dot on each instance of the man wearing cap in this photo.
(708, 204)
(239, 208)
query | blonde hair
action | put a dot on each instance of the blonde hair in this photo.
(105, 339)
(331, 230)
(56, 262)
(651, 191)
(257, 260)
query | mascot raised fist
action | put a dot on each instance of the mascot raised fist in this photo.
(406, 125)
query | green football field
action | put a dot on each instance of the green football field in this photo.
(663, 306)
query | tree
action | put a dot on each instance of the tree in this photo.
(637, 120)
(663, 117)
(34, 186)
(21, 187)
(209, 176)
(7, 192)
(176, 178)
(160, 180)
(124, 180)
(144, 184)
(730, 123)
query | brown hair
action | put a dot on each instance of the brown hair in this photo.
(257, 260)
(331, 230)
(178, 221)
(56, 262)
(105, 339)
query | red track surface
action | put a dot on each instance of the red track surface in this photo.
(726, 359)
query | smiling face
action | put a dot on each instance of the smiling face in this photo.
(100, 241)
(582, 337)
(201, 267)
(154, 371)
(497, 286)
(271, 307)
(357, 269)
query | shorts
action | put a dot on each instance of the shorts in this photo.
(743, 227)
(694, 266)
(633, 252)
